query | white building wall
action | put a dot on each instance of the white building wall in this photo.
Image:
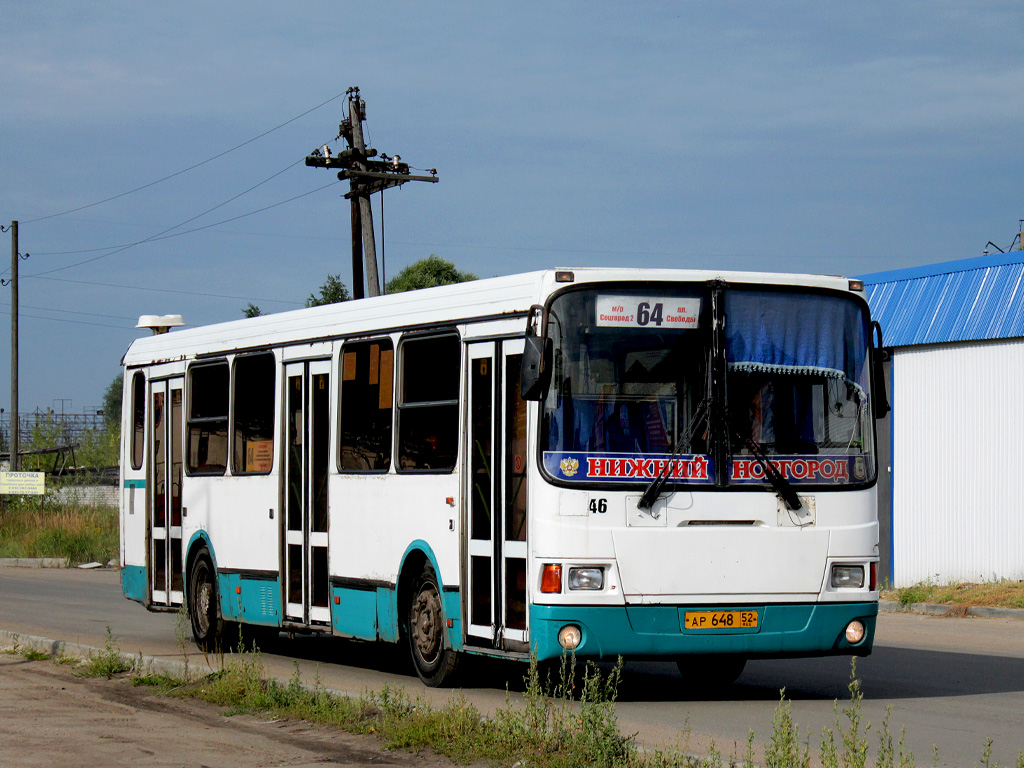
(958, 483)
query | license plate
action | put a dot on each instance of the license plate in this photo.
(720, 619)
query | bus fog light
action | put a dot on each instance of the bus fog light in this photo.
(570, 636)
(854, 632)
(851, 576)
(586, 578)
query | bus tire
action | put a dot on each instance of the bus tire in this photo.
(705, 673)
(434, 661)
(204, 602)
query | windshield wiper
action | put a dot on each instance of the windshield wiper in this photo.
(654, 489)
(781, 485)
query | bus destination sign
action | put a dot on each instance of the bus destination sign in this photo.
(659, 312)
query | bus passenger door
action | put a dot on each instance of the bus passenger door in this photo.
(496, 602)
(307, 458)
(166, 422)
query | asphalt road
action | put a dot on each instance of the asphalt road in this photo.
(951, 682)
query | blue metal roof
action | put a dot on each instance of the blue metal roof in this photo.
(966, 300)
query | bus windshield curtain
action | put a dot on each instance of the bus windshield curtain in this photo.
(795, 333)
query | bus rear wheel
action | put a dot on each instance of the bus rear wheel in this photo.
(203, 602)
(706, 673)
(434, 661)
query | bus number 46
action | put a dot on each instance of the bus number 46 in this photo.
(598, 506)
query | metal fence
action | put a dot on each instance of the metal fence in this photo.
(59, 428)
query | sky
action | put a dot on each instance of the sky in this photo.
(785, 137)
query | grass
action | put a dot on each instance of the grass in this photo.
(1000, 594)
(31, 527)
(566, 719)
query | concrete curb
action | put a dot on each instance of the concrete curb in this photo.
(147, 664)
(34, 562)
(942, 609)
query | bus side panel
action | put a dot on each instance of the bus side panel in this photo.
(355, 612)
(259, 601)
(241, 520)
(375, 519)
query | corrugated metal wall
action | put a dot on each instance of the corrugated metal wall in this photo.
(958, 479)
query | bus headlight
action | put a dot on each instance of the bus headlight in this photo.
(849, 576)
(569, 637)
(586, 578)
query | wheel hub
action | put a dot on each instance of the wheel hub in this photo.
(426, 623)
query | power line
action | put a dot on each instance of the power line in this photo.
(168, 290)
(76, 322)
(164, 236)
(68, 311)
(191, 167)
(170, 229)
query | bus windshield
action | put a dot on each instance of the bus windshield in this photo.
(645, 384)
(797, 382)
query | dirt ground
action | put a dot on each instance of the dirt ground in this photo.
(50, 717)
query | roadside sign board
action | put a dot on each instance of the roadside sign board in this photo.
(23, 483)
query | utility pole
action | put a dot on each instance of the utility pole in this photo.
(15, 418)
(365, 177)
(360, 197)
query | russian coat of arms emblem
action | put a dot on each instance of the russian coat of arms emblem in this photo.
(569, 466)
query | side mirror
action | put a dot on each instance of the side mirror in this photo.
(536, 371)
(878, 356)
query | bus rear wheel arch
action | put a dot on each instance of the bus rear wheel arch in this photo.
(424, 627)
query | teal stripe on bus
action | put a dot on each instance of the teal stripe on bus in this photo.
(134, 483)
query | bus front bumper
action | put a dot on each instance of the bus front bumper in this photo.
(658, 631)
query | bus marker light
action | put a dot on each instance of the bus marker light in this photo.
(337, 599)
(551, 578)
(854, 632)
(451, 623)
(564, 277)
(238, 590)
(569, 637)
(873, 583)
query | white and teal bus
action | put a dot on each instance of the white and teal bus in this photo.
(646, 463)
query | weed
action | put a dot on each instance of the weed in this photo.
(182, 626)
(108, 662)
(784, 746)
(34, 654)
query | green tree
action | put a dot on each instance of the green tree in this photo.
(426, 273)
(331, 292)
(252, 310)
(112, 403)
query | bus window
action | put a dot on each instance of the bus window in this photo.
(428, 415)
(367, 375)
(208, 419)
(138, 418)
(253, 414)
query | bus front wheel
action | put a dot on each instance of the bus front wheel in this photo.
(435, 662)
(203, 604)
